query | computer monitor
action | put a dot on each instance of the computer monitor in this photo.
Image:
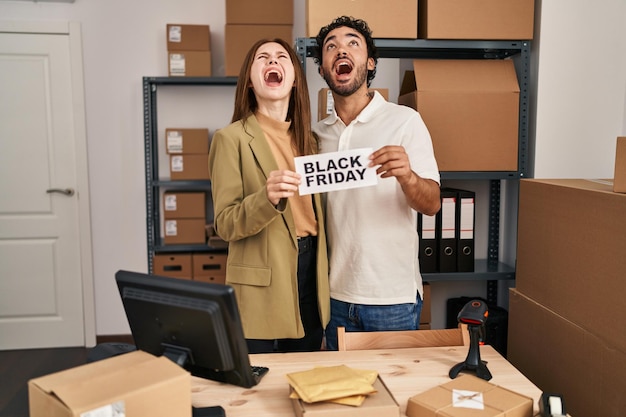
(195, 324)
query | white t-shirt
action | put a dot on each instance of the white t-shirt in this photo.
(372, 231)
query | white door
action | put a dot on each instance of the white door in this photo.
(45, 261)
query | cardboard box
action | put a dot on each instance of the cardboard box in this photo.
(189, 64)
(471, 108)
(571, 248)
(184, 231)
(184, 205)
(173, 265)
(494, 401)
(188, 37)
(381, 404)
(240, 38)
(209, 267)
(255, 12)
(562, 357)
(476, 19)
(386, 21)
(619, 179)
(185, 141)
(189, 167)
(135, 384)
(326, 103)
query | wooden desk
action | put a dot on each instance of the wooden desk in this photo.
(406, 372)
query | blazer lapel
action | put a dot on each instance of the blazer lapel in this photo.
(263, 154)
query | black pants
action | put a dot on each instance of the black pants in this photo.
(309, 313)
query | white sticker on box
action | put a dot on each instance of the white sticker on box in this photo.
(175, 34)
(176, 163)
(330, 102)
(174, 141)
(468, 399)
(117, 409)
(177, 64)
(171, 228)
(170, 202)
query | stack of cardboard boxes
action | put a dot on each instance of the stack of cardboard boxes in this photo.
(188, 50)
(247, 21)
(189, 153)
(184, 216)
(185, 212)
(565, 314)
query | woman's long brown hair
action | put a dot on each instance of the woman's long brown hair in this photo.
(299, 111)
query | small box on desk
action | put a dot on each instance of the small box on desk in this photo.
(380, 404)
(134, 384)
(469, 395)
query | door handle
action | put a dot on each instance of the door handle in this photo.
(67, 191)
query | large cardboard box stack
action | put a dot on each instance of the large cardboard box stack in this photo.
(247, 21)
(565, 315)
(188, 50)
(471, 108)
(397, 21)
(135, 384)
(476, 19)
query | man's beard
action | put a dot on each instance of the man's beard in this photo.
(346, 90)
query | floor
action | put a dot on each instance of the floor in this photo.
(17, 367)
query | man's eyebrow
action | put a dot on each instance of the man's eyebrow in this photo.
(330, 38)
(349, 34)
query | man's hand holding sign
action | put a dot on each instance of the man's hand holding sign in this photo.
(335, 171)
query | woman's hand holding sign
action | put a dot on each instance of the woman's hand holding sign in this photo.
(281, 184)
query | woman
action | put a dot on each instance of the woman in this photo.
(277, 260)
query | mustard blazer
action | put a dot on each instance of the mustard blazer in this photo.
(263, 249)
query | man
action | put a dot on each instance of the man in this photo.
(375, 283)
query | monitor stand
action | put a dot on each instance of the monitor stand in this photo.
(215, 411)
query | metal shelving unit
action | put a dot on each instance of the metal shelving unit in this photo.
(491, 269)
(153, 183)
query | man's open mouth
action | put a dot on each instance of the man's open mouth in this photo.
(343, 67)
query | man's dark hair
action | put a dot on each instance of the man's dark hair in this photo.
(360, 26)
